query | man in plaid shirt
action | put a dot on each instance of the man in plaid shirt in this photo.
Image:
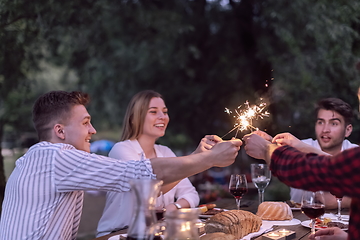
(301, 166)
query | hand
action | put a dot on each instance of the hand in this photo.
(333, 233)
(171, 207)
(256, 146)
(225, 152)
(207, 143)
(264, 135)
(287, 139)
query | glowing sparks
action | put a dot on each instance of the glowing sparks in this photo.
(244, 116)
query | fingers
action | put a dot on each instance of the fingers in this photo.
(264, 135)
(333, 233)
(284, 136)
(282, 141)
(209, 141)
(236, 142)
(213, 138)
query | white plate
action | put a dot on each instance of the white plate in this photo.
(295, 209)
(333, 217)
(207, 216)
(116, 237)
(293, 221)
(307, 224)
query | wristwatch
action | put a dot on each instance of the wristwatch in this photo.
(178, 206)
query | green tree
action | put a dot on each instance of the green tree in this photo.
(313, 48)
(14, 87)
(201, 55)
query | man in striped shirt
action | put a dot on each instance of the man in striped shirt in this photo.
(44, 194)
(307, 170)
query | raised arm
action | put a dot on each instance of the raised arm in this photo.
(289, 139)
(257, 147)
(173, 169)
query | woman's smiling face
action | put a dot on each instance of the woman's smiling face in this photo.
(156, 119)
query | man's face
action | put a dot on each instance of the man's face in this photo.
(78, 129)
(331, 131)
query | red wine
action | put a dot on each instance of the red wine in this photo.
(313, 211)
(238, 192)
(159, 214)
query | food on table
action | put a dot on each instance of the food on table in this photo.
(338, 224)
(209, 206)
(274, 211)
(293, 204)
(218, 236)
(327, 222)
(236, 222)
(203, 209)
(209, 209)
(213, 211)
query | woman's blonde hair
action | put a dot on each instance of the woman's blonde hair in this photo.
(135, 114)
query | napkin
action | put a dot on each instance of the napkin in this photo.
(116, 237)
(120, 236)
(263, 229)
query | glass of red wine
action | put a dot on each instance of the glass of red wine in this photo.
(238, 187)
(160, 207)
(312, 205)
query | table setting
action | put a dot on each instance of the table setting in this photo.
(243, 219)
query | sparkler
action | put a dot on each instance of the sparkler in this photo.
(245, 116)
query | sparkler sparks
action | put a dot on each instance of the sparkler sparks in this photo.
(245, 116)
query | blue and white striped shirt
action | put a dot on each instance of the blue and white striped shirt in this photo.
(44, 194)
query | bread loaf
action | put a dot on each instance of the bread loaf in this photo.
(274, 211)
(236, 222)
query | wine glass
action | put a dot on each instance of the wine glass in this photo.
(160, 207)
(312, 205)
(338, 200)
(260, 175)
(238, 187)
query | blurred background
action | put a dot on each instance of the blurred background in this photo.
(202, 55)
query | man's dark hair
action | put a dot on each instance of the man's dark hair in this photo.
(337, 105)
(55, 106)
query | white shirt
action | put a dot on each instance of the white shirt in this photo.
(296, 194)
(118, 209)
(44, 194)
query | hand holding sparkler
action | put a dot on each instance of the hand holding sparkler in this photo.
(244, 117)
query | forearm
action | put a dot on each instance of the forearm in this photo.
(306, 148)
(174, 169)
(269, 151)
(183, 203)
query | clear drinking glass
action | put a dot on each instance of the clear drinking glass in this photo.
(238, 187)
(312, 205)
(338, 200)
(261, 176)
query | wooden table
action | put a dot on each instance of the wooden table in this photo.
(249, 205)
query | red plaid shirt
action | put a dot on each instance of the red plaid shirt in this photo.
(339, 174)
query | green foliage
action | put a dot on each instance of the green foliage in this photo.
(201, 55)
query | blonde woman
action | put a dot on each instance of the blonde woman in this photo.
(145, 121)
